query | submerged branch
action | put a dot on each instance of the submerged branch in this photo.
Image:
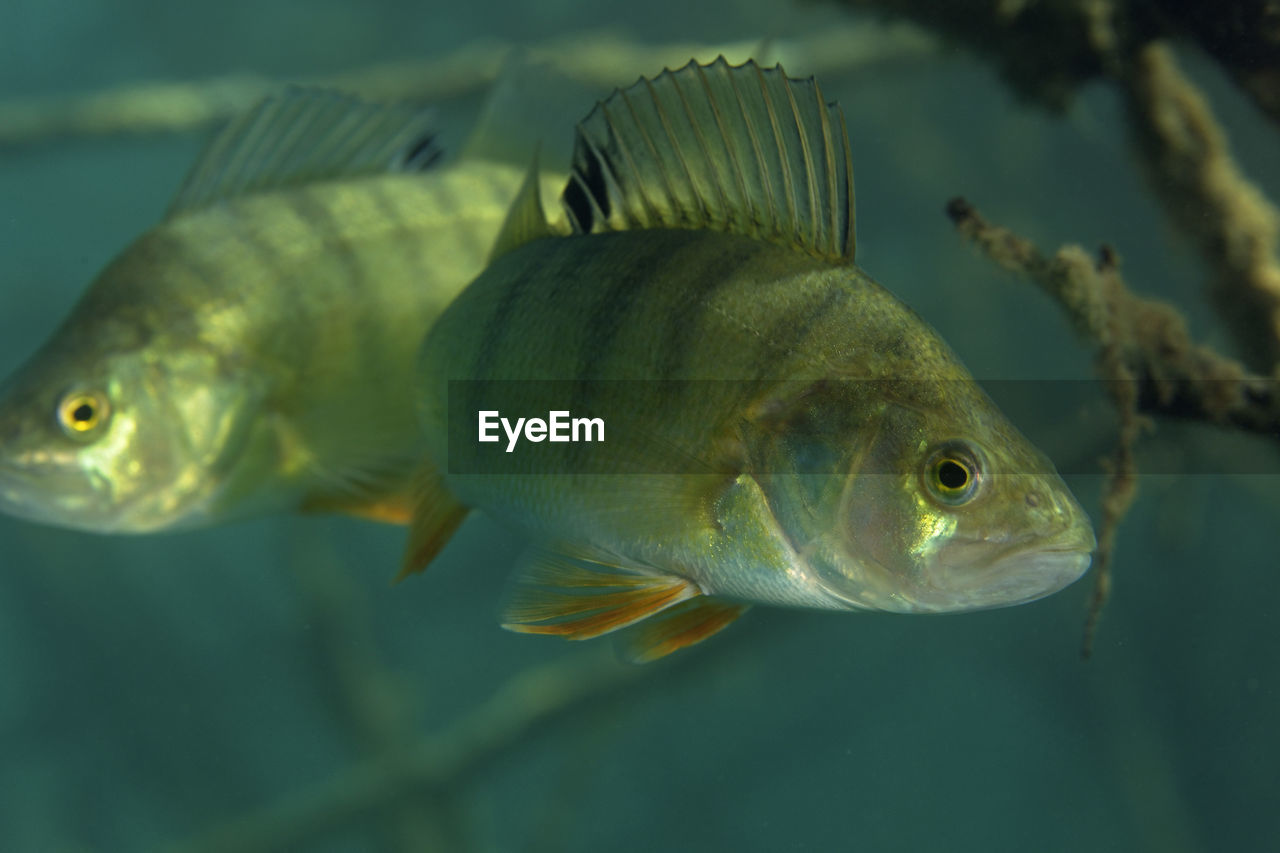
(1047, 49)
(1145, 354)
(602, 59)
(371, 700)
(1190, 167)
(1175, 377)
(413, 773)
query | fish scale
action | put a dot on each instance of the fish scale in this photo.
(778, 427)
(253, 352)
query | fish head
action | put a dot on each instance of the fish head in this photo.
(946, 507)
(109, 428)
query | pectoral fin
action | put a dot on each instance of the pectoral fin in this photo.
(579, 596)
(436, 515)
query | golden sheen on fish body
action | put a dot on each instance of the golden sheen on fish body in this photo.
(777, 427)
(254, 351)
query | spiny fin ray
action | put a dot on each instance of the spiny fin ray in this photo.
(303, 136)
(745, 150)
(526, 221)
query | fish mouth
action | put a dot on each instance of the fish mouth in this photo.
(1025, 577)
(1015, 576)
(21, 495)
(50, 494)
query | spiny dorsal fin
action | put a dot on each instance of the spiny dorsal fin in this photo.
(530, 102)
(307, 135)
(741, 149)
(526, 220)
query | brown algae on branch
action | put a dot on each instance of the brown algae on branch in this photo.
(1176, 377)
(1191, 169)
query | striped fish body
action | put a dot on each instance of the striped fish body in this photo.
(731, 340)
(308, 306)
(253, 351)
(778, 428)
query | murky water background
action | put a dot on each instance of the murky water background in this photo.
(264, 681)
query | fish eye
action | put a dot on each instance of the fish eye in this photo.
(952, 474)
(80, 413)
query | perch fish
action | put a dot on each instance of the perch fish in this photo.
(254, 351)
(778, 427)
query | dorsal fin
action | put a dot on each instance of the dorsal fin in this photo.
(744, 149)
(307, 135)
(526, 219)
(531, 102)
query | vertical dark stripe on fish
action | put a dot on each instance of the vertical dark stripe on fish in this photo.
(500, 317)
(171, 249)
(609, 311)
(320, 219)
(683, 326)
(401, 240)
(793, 329)
(249, 233)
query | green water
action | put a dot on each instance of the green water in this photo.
(264, 678)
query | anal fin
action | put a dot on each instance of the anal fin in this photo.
(583, 596)
(388, 509)
(683, 625)
(436, 515)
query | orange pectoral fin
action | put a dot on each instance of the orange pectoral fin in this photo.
(436, 515)
(580, 597)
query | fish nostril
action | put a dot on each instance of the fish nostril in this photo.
(1032, 500)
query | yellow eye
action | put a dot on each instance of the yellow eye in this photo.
(81, 412)
(953, 474)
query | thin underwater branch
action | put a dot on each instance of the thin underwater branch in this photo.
(1047, 49)
(372, 701)
(603, 59)
(1175, 377)
(419, 771)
